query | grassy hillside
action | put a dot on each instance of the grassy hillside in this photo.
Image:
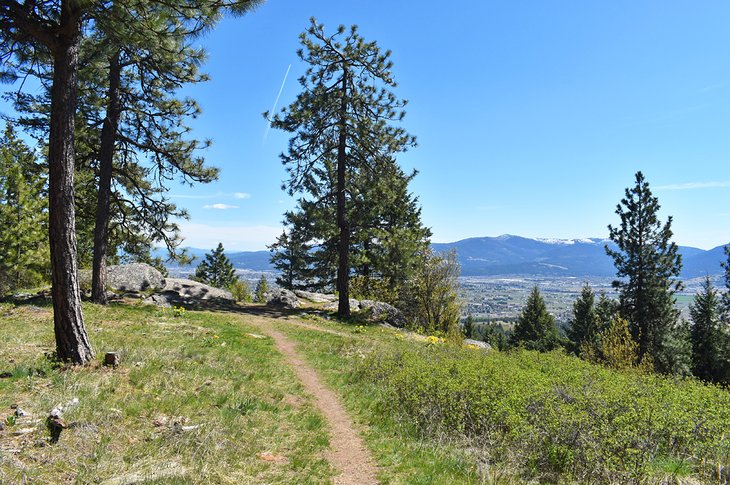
(198, 399)
(201, 397)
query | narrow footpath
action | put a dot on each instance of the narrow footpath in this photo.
(347, 452)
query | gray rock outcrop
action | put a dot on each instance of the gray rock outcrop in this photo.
(282, 298)
(354, 305)
(134, 277)
(477, 343)
(179, 291)
(315, 297)
(196, 290)
(379, 311)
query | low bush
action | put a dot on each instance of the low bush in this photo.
(556, 417)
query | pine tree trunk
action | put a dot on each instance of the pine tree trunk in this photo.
(106, 163)
(343, 267)
(72, 343)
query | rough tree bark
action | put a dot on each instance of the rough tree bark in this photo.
(106, 163)
(343, 267)
(72, 342)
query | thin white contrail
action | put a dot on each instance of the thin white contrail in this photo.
(273, 108)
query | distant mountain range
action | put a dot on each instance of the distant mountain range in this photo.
(515, 255)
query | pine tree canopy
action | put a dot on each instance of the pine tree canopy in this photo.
(344, 136)
(709, 341)
(24, 257)
(647, 261)
(535, 328)
(584, 326)
(216, 269)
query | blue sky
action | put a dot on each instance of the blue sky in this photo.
(531, 117)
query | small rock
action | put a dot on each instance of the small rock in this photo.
(160, 421)
(5, 375)
(20, 413)
(378, 311)
(13, 406)
(2, 426)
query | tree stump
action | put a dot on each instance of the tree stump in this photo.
(111, 359)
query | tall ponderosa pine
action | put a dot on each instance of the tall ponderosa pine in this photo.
(53, 30)
(143, 122)
(647, 261)
(709, 340)
(24, 259)
(133, 137)
(535, 328)
(216, 269)
(342, 120)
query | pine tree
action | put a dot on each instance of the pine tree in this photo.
(709, 341)
(607, 310)
(725, 301)
(535, 328)
(262, 288)
(290, 255)
(53, 29)
(584, 326)
(647, 261)
(341, 121)
(469, 329)
(216, 269)
(386, 244)
(24, 259)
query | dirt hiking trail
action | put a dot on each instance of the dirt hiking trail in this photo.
(347, 452)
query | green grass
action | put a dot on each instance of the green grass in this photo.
(196, 400)
(402, 451)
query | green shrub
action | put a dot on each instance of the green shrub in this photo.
(556, 416)
(241, 291)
